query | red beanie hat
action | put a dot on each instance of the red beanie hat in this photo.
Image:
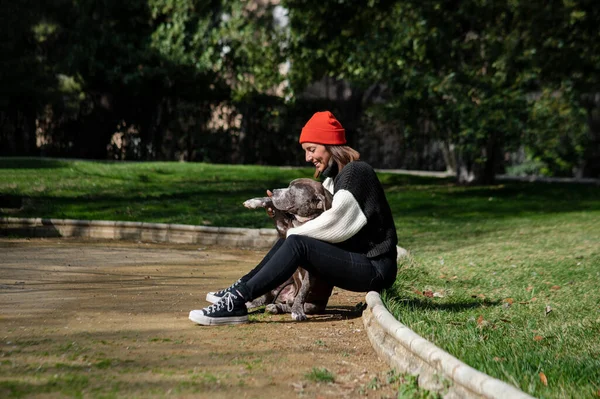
(323, 128)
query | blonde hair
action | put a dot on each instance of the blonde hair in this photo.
(342, 155)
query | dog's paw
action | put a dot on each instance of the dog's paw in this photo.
(298, 316)
(254, 203)
(271, 308)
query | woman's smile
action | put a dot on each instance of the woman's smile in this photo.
(317, 154)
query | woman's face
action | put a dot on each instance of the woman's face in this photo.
(317, 154)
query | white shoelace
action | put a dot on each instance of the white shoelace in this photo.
(226, 300)
(225, 290)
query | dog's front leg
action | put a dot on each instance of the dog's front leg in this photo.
(298, 313)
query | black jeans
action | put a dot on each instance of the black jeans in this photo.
(347, 270)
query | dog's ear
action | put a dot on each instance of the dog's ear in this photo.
(320, 202)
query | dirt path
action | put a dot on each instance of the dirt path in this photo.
(109, 319)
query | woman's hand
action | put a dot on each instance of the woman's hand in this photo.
(270, 210)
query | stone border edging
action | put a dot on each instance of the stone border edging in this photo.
(410, 353)
(139, 231)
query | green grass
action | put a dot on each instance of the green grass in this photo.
(484, 264)
(186, 193)
(320, 375)
(406, 385)
(494, 289)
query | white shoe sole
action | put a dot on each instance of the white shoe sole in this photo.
(198, 317)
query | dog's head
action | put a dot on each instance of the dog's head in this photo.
(304, 198)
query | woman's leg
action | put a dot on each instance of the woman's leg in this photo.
(344, 269)
(216, 296)
(347, 270)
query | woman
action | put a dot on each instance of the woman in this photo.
(352, 245)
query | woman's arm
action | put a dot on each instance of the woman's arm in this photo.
(342, 221)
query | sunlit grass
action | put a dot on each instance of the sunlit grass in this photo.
(518, 300)
(185, 193)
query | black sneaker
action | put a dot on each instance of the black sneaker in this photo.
(214, 297)
(231, 309)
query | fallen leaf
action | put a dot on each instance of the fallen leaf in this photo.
(418, 292)
(454, 277)
(438, 295)
(510, 301)
(480, 320)
(538, 338)
(544, 379)
(529, 288)
(428, 294)
(442, 276)
(533, 299)
(481, 296)
(555, 287)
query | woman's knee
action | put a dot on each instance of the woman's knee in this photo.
(300, 245)
(294, 240)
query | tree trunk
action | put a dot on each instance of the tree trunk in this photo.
(449, 154)
(18, 131)
(591, 156)
(492, 159)
(470, 171)
(8, 141)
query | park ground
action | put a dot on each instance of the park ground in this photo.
(110, 319)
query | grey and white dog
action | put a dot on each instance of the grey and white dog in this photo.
(303, 293)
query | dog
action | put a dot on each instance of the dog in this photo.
(302, 294)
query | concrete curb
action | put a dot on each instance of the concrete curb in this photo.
(138, 231)
(437, 370)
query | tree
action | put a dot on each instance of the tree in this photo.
(139, 64)
(457, 65)
(468, 70)
(26, 82)
(563, 40)
(154, 70)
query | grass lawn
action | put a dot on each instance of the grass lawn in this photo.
(186, 193)
(503, 277)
